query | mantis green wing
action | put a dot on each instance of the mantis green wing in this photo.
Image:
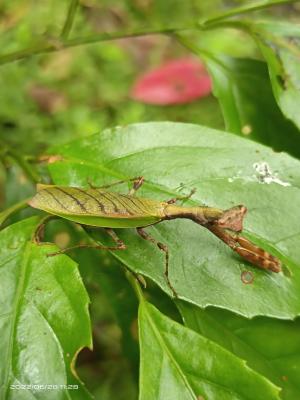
(97, 207)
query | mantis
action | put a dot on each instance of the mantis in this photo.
(99, 207)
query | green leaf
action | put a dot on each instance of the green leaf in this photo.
(44, 317)
(113, 306)
(280, 46)
(249, 108)
(271, 347)
(185, 365)
(226, 170)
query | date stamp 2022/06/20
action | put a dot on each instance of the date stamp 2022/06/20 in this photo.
(40, 387)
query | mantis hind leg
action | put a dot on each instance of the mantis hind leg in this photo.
(145, 235)
(120, 245)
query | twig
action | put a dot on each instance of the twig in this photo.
(60, 44)
(246, 9)
(135, 284)
(69, 20)
(26, 167)
(12, 210)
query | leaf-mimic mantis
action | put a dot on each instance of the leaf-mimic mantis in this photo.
(99, 207)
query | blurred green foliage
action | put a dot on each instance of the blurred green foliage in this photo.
(52, 98)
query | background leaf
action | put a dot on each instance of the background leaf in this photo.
(248, 105)
(44, 317)
(185, 365)
(111, 369)
(226, 170)
(271, 347)
(280, 46)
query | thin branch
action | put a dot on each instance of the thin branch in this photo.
(24, 165)
(135, 285)
(69, 20)
(246, 9)
(60, 44)
(12, 210)
(24, 53)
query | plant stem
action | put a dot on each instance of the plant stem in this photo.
(12, 210)
(63, 42)
(60, 44)
(26, 167)
(245, 9)
(6, 151)
(69, 20)
(134, 283)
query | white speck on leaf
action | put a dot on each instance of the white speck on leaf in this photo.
(265, 175)
(239, 175)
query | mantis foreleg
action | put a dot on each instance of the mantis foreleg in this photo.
(246, 249)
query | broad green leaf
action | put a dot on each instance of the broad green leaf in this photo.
(226, 170)
(249, 108)
(113, 312)
(185, 365)
(280, 46)
(44, 318)
(111, 295)
(271, 347)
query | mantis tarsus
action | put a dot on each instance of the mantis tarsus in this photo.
(102, 208)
